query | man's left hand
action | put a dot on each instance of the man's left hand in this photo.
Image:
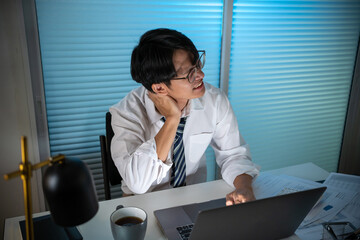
(243, 192)
(240, 196)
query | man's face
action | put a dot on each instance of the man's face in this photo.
(181, 89)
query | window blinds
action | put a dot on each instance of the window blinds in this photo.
(86, 48)
(290, 74)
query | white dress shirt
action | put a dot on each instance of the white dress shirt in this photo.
(210, 120)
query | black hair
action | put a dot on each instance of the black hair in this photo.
(152, 58)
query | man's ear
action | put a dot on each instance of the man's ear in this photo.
(159, 88)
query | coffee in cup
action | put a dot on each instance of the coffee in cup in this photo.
(128, 223)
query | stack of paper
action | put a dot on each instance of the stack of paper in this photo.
(268, 185)
(340, 203)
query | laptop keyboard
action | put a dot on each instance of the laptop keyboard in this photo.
(184, 231)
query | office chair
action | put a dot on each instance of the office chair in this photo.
(110, 172)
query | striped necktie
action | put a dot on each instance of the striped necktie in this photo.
(178, 174)
(179, 166)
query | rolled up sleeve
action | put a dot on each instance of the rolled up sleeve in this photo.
(231, 151)
(134, 156)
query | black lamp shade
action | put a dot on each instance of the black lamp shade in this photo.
(70, 192)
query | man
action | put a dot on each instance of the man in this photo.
(162, 129)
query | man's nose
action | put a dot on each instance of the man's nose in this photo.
(199, 74)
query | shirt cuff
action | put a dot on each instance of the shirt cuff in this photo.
(248, 168)
(163, 167)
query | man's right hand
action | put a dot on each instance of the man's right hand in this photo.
(166, 105)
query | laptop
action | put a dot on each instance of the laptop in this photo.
(269, 218)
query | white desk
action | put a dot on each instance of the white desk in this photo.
(99, 226)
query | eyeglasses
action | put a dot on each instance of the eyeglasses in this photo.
(198, 66)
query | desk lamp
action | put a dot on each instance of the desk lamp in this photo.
(68, 188)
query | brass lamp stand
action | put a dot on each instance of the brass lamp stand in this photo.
(25, 171)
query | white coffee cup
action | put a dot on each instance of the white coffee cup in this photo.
(128, 223)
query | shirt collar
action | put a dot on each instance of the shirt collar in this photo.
(197, 104)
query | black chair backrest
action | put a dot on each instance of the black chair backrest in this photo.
(110, 172)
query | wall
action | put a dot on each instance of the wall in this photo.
(350, 153)
(16, 112)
